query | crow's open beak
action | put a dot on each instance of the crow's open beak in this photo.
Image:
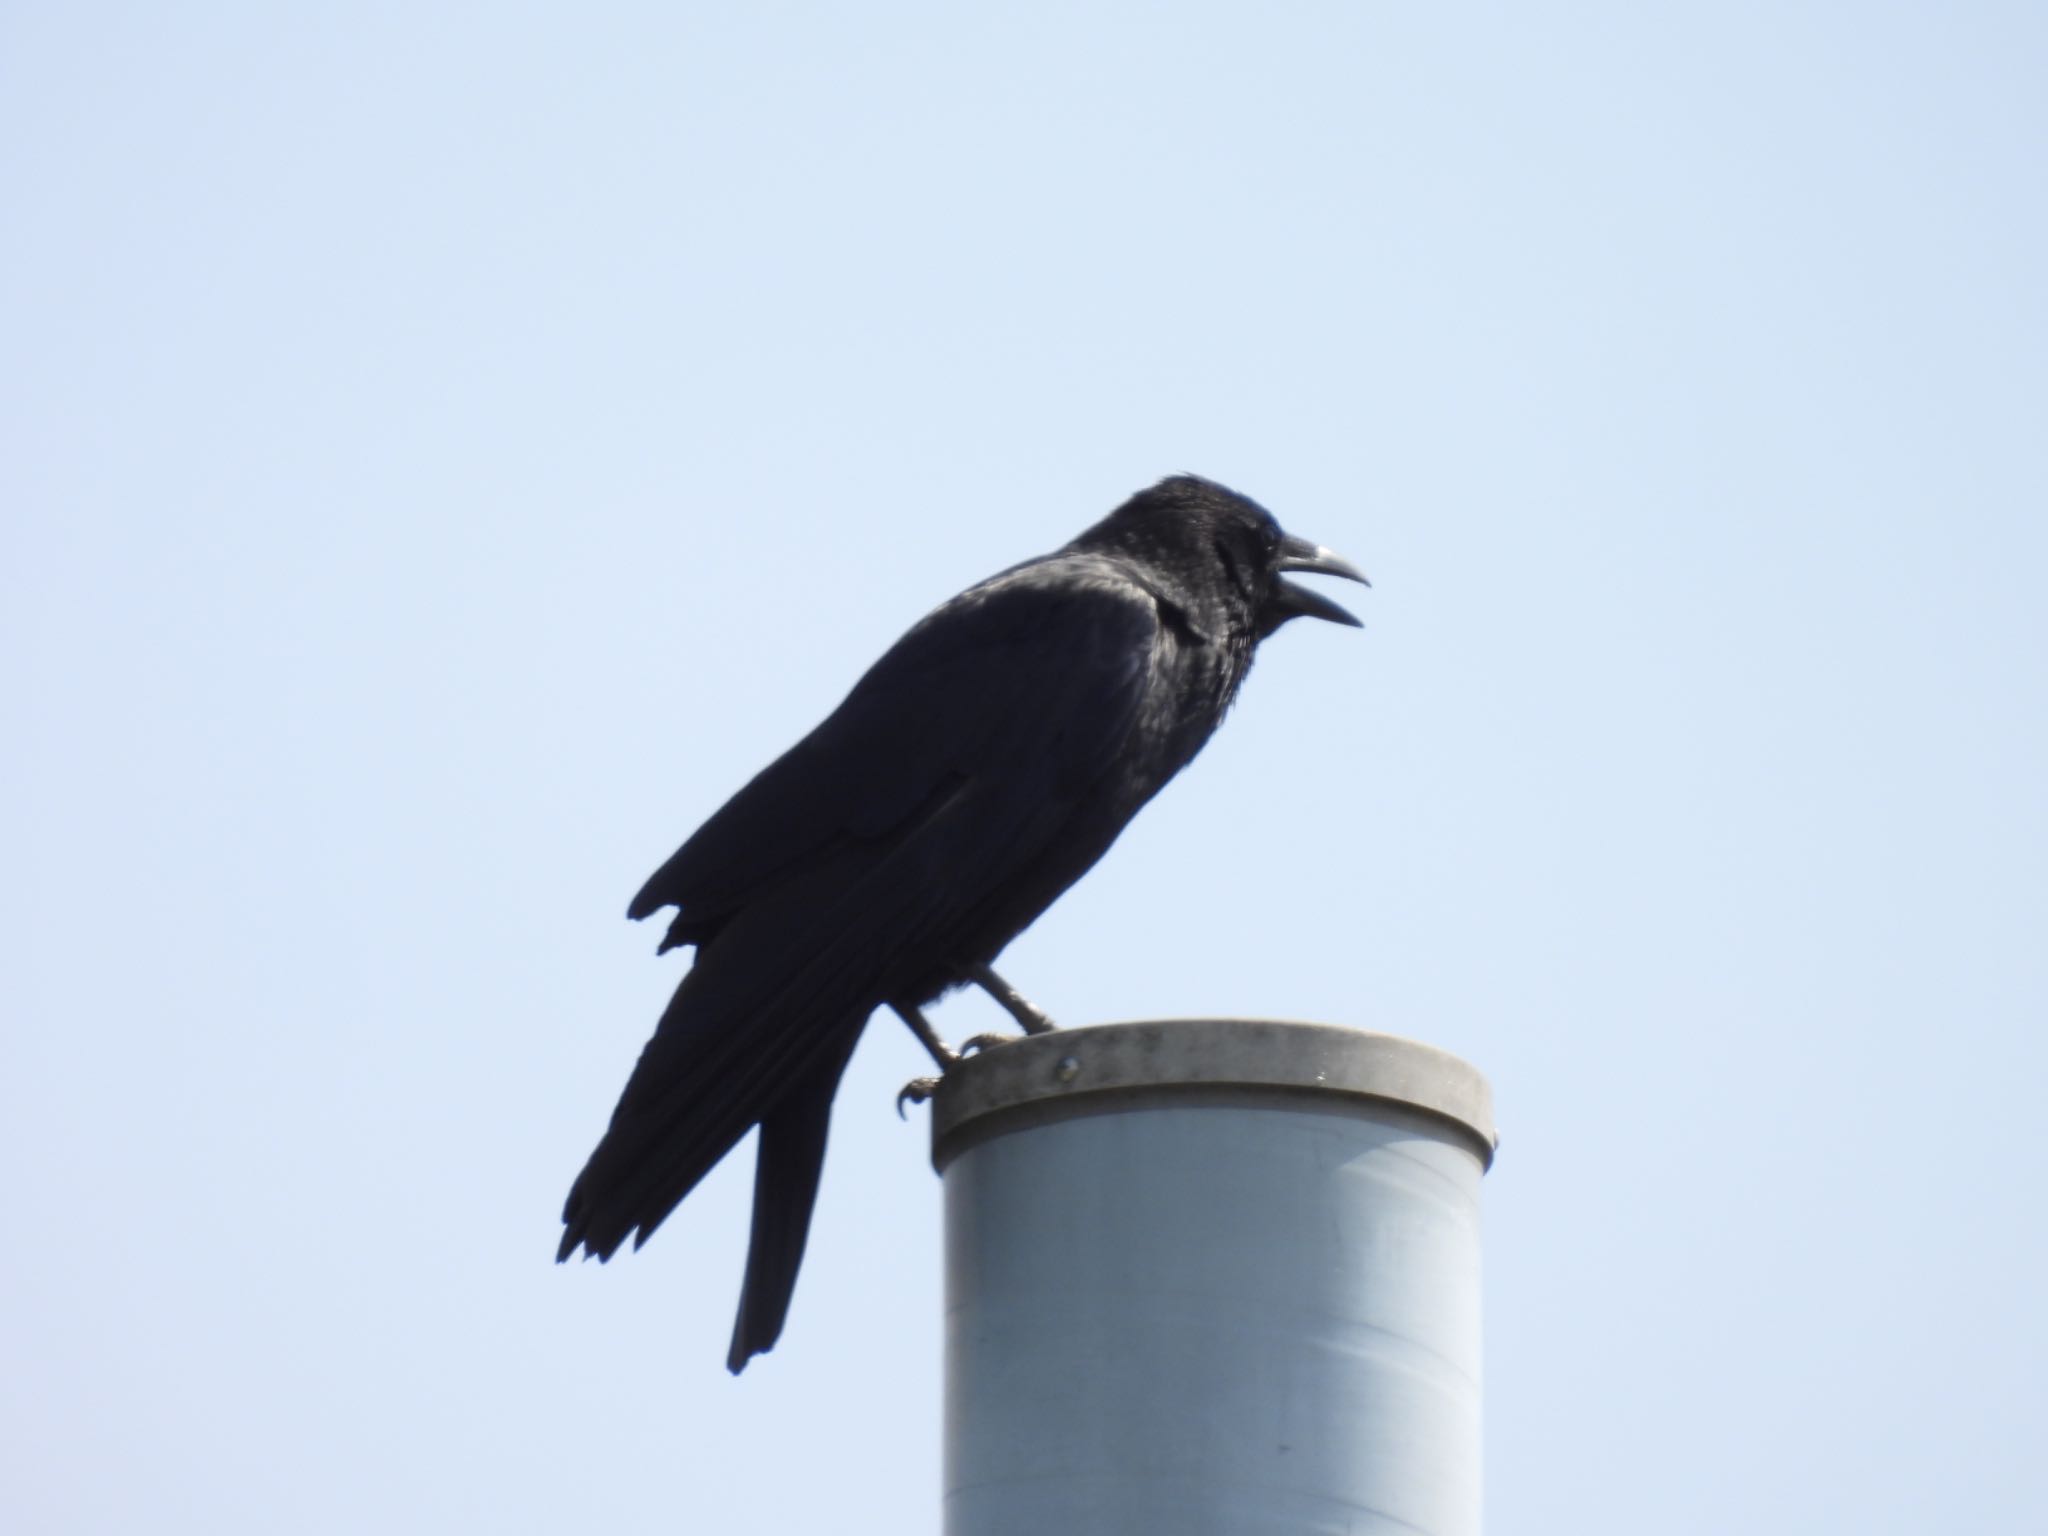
(1293, 601)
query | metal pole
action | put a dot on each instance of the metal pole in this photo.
(1209, 1276)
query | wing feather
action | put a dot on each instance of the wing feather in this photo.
(1027, 657)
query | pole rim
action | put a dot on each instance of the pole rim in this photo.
(1150, 1063)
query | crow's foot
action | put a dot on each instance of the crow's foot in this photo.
(919, 1089)
(916, 1091)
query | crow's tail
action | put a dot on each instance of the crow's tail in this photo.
(788, 1158)
(710, 1074)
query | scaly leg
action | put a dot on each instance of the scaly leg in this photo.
(1029, 1017)
(928, 1037)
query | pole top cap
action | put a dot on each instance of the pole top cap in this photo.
(1103, 1068)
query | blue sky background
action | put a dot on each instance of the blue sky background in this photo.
(445, 449)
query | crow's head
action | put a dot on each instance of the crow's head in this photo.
(1194, 531)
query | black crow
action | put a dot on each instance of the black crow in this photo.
(977, 770)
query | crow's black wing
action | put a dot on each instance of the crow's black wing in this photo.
(1050, 657)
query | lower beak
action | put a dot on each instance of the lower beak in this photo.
(1290, 600)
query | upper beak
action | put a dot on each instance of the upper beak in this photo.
(1293, 601)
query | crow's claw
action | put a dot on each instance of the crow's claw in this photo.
(916, 1091)
(987, 1042)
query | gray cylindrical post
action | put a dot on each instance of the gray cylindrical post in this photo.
(1212, 1275)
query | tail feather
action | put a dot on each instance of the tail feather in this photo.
(788, 1159)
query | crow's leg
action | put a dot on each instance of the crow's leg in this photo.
(1013, 1002)
(1029, 1017)
(928, 1037)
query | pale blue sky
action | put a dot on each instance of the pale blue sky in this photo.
(445, 449)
